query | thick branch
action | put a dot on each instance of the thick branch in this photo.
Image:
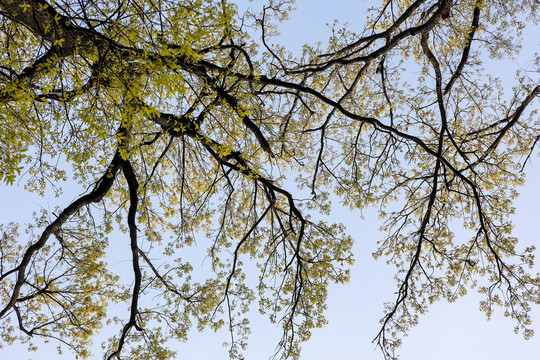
(101, 189)
(133, 186)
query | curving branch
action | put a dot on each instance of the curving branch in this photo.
(133, 187)
(101, 189)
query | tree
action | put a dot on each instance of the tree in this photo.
(184, 135)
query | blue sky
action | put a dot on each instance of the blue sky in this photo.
(448, 331)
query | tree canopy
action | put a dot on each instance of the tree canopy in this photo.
(184, 124)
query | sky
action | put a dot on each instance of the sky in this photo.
(447, 331)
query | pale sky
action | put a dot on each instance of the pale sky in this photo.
(448, 331)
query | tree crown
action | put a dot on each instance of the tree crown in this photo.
(185, 125)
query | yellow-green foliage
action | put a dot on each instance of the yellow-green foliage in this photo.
(188, 143)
